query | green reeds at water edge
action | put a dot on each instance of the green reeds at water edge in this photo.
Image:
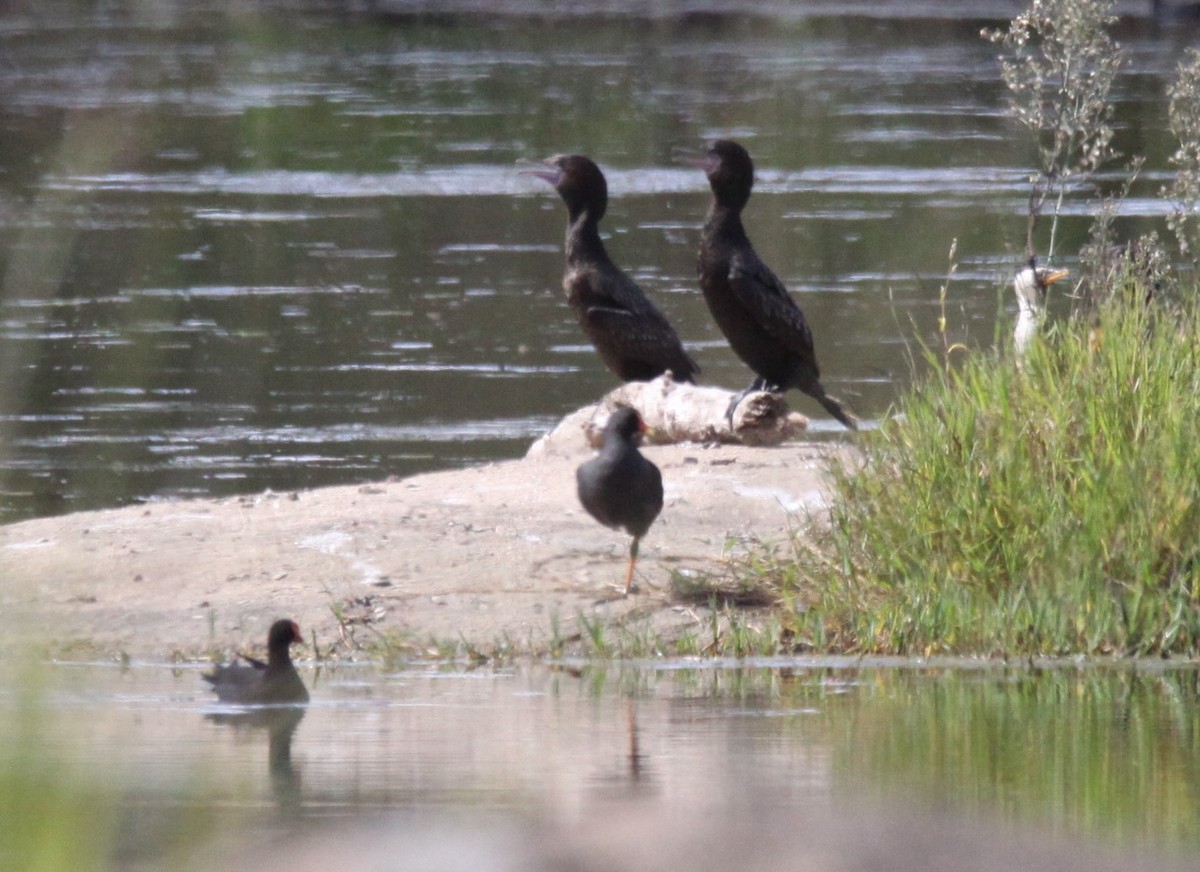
(1108, 752)
(1047, 508)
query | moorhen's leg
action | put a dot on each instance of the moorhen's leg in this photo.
(633, 553)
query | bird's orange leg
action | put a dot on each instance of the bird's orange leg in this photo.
(633, 553)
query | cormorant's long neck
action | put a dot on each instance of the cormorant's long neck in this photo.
(583, 243)
(1028, 322)
(724, 224)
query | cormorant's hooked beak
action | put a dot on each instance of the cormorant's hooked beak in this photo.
(701, 160)
(1031, 282)
(546, 170)
(1050, 276)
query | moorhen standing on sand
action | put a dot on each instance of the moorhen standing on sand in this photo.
(274, 682)
(632, 337)
(754, 310)
(619, 487)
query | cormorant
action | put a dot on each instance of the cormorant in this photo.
(762, 322)
(1030, 285)
(632, 337)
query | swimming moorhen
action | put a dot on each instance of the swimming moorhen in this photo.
(619, 487)
(271, 683)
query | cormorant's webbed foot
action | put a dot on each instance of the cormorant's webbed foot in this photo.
(757, 385)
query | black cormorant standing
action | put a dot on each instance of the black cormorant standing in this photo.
(762, 322)
(632, 337)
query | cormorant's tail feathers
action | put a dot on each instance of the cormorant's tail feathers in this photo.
(834, 407)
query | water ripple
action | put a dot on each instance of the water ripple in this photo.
(492, 180)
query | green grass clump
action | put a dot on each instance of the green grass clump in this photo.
(1047, 508)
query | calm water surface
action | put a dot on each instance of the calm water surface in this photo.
(1110, 754)
(243, 247)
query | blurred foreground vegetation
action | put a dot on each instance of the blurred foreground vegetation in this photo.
(68, 804)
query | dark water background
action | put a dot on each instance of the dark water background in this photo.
(263, 245)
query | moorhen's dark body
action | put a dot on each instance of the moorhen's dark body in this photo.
(273, 682)
(632, 337)
(754, 310)
(619, 487)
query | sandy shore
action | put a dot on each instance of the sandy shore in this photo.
(494, 555)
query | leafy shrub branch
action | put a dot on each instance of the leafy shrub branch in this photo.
(1059, 64)
(1183, 116)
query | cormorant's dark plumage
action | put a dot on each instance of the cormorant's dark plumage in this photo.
(762, 322)
(632, 337)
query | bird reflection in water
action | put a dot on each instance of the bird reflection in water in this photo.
(274, 696)
(634, 778)
(279, 723)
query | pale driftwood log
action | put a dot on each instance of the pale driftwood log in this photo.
(679, 412)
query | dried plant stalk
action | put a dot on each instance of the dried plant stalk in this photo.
(1059, 63)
